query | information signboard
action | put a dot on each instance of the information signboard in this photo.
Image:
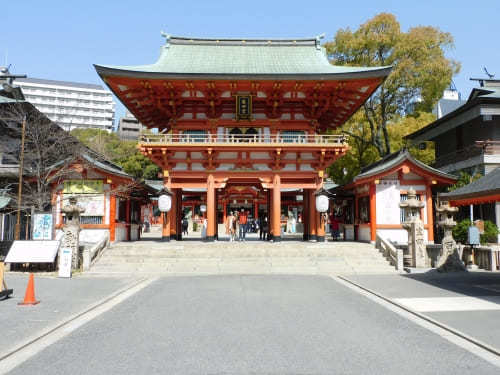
(32, 252)
(65, 262)
(42, 227)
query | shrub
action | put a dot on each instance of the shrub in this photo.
(460, 231)
(490, 232)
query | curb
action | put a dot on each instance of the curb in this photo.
(447, 328)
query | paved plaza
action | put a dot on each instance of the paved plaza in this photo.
(235, 324)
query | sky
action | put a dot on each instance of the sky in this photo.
(61, 40)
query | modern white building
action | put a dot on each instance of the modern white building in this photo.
(70, 104)
(129, 127)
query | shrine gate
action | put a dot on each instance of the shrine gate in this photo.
(243, 123)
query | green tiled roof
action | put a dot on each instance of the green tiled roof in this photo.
(187, 57)
(394, 159)
(486, 185)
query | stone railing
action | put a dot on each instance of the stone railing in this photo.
(395, 256)
(254, 139)
(486, 258)
(91, 254)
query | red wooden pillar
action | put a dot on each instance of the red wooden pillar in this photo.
(276, 222)
(373, 212)
(305, 215)
(256, 209)
(210, 208)
(224, 213)
(165, 229)
(430, 214)
(127, 219)
(173, 215)
(312, 215)
(112, 216)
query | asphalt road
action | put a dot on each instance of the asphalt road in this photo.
(252, 325)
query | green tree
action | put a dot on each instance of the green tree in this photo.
(421, 71)
(123, 153)
(464, 179)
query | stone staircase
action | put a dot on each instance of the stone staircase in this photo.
(251, 257)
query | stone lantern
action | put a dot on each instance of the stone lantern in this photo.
(415, 229)
(449, 259)
(71, 230)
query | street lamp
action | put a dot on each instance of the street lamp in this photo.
(164, 205)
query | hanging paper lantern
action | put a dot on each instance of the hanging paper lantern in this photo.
(164, 203)
(322, 203)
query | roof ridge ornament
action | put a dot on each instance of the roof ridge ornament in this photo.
(166, 36)
(318, 40)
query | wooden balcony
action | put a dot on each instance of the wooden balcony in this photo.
(256, 140)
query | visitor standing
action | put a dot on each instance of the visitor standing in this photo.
(243, 219)
(264, 226)
(334, 225)
(185, 225)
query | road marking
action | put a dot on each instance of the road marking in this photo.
(472, 345)
(36, 344)
(438, 304)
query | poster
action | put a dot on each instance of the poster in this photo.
(93, 204)
(42, 227)
(83, 187)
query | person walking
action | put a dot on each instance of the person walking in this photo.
(185, 225)
(264, 226)
(230, 226)
(243, 219)
(236, 224)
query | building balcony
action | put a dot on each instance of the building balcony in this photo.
(478, 149)
(256, 140)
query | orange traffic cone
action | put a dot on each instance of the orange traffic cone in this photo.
(29, 297)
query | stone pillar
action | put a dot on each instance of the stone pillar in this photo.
(276, 221)
(415, 228)
(312, 215)
(210, 208)
(72, 231)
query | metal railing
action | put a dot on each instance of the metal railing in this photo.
(332, 140)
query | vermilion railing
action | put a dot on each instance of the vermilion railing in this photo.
(161, 139)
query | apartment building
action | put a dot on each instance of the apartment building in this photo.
(70, 104)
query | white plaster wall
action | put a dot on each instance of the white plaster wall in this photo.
(180, 155)
(398, 235)
(58, 209)
(93, 235)
(227, 155)
(120, 233)
(134, 232)
(86, 235)
(196, 155)
(349, 232)
(225, 167)
(364, 234)
(259, 155)
(106, 210)
(306, 167)
(289, 167)
(262, 167)
(197, 167)
(180, 167)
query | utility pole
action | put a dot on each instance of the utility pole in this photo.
(20, 187)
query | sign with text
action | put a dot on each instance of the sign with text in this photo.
(243, 107)
(42, 227)
(32, 252)
(93, 204)
(65, 262)
(83, 187)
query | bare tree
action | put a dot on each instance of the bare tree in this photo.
(49, 152)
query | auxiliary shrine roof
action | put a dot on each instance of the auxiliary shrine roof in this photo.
(183, 57)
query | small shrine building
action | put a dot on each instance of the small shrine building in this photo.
(369, 205)
(243, 123)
